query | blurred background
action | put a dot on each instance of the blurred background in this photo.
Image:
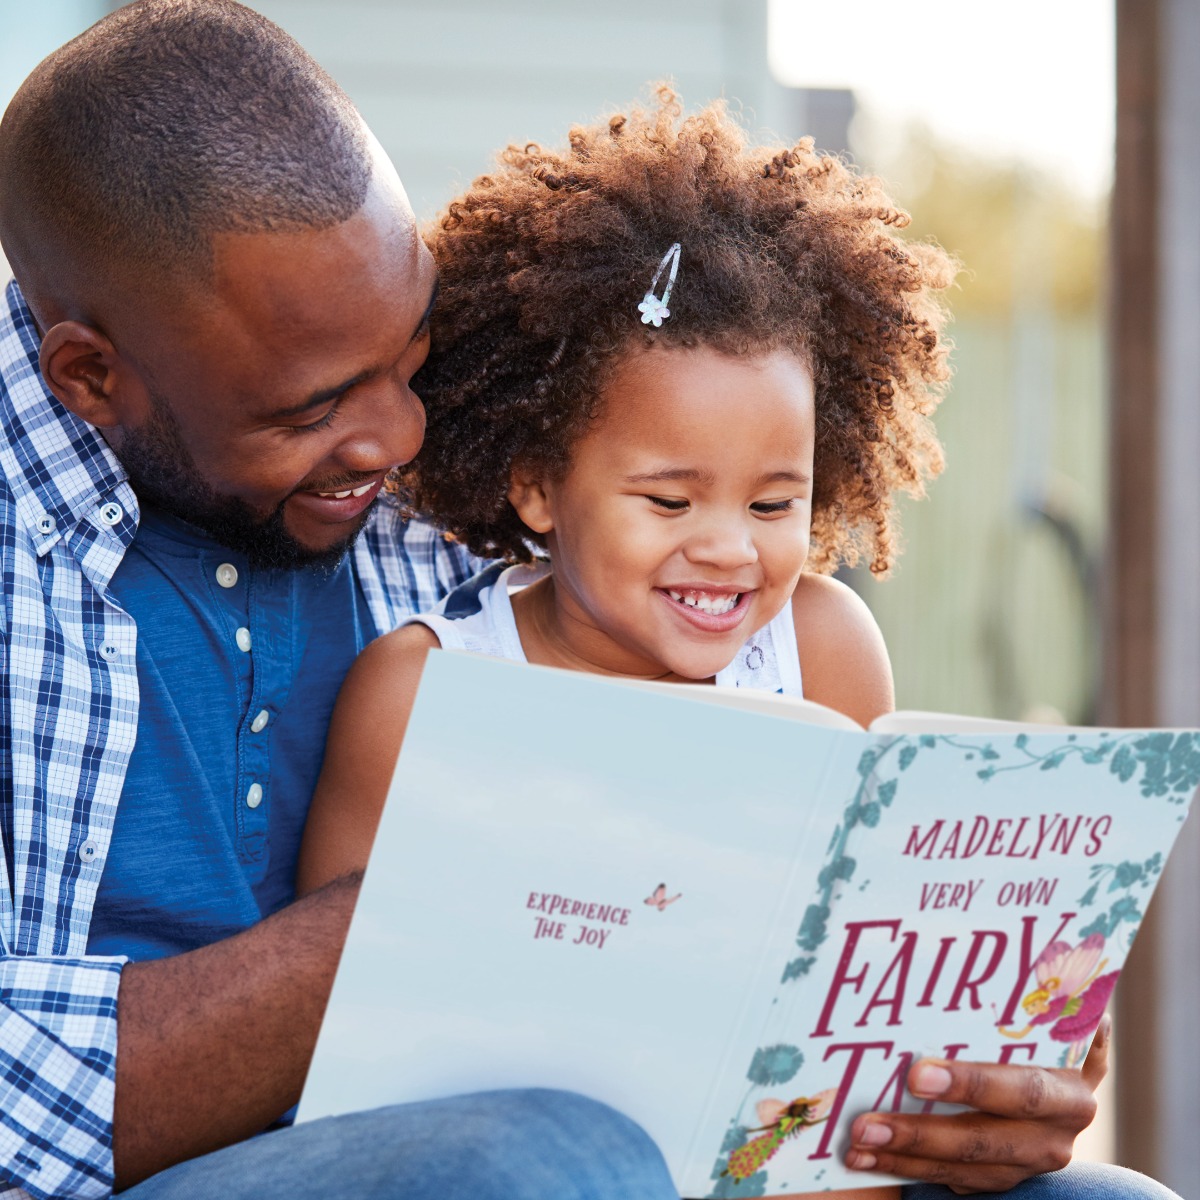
(1054, 572)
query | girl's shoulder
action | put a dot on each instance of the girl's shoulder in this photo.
(843, 659)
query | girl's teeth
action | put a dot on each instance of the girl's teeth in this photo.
(716, 605)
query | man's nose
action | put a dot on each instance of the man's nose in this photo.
(387, 432)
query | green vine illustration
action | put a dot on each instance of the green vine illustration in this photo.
(1122, 877)
(870, 798)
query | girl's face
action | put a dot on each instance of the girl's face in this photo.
(683, 523)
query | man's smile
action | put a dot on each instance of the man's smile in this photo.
(343, 504)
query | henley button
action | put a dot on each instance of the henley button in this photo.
(111, 513)
(227, 575)
(260, 722)
(242, 637)
(254, 796)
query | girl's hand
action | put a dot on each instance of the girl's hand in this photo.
(1024, 1122)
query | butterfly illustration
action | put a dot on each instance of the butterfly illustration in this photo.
(1071, 994)
(779, 1122)
(659, 898)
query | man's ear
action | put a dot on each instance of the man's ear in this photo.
(80, 366)
(528, 495)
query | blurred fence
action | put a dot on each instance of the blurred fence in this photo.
(993, 606)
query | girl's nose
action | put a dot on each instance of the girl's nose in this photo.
(724, 544)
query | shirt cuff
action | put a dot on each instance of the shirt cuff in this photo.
(58, 1058)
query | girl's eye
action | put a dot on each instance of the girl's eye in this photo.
(669, 505)
(316, 426)
(772, 506)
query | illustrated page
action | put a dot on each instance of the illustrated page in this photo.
(977, 900)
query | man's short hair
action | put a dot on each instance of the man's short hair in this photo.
(171, 121)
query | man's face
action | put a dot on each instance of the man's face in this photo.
(269, 411)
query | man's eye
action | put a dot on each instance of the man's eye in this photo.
(669, 505)
(316, 426)
(772, 506)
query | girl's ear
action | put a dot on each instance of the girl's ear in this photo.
(528, 495)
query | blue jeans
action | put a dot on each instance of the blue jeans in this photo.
(518, 1145)
(1079, 1181)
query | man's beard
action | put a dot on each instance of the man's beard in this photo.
(163, 474)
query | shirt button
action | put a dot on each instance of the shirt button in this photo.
(227, 575)
(111, 513)
(242, 637)
(260, 722)
(47, 525)
(254, 796)
(88, 850)
(110, 651)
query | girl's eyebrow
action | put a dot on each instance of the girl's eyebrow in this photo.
(782, 477)
(674, 475)
(707, 478)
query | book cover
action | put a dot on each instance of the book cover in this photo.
(737, 928)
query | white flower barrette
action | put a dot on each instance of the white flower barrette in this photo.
(654, 309)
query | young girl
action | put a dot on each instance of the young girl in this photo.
(693, 375)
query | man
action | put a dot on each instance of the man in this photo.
(205, 368)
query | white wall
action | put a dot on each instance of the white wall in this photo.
(444, 85)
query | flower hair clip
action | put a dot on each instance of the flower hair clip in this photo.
(653, 309)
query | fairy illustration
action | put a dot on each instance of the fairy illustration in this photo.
(659, 898)
(1072, 993)
(780, 1121)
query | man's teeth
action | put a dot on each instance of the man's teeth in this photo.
(716, 605)
(358, 491)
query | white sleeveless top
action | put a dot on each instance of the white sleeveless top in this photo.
(478, 617)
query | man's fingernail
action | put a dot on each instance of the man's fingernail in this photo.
(928, 1080)
(860, 1160)
(874, 1133)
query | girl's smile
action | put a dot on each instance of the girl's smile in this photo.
(716, 610)
(681, 526)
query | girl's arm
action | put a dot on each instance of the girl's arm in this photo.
(360, 755)
(843, 661)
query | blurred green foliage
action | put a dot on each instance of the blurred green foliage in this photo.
(992, 608)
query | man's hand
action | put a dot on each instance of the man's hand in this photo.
(214, 1045)
(1024, 1122)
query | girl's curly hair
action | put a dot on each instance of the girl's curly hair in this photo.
(542, 266)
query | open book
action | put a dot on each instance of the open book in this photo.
(736, 918)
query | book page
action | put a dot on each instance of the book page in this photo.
(977, 901)
(572, 886)
(929, 722)
(792, 708)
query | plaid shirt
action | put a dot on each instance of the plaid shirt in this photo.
(68, 719)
